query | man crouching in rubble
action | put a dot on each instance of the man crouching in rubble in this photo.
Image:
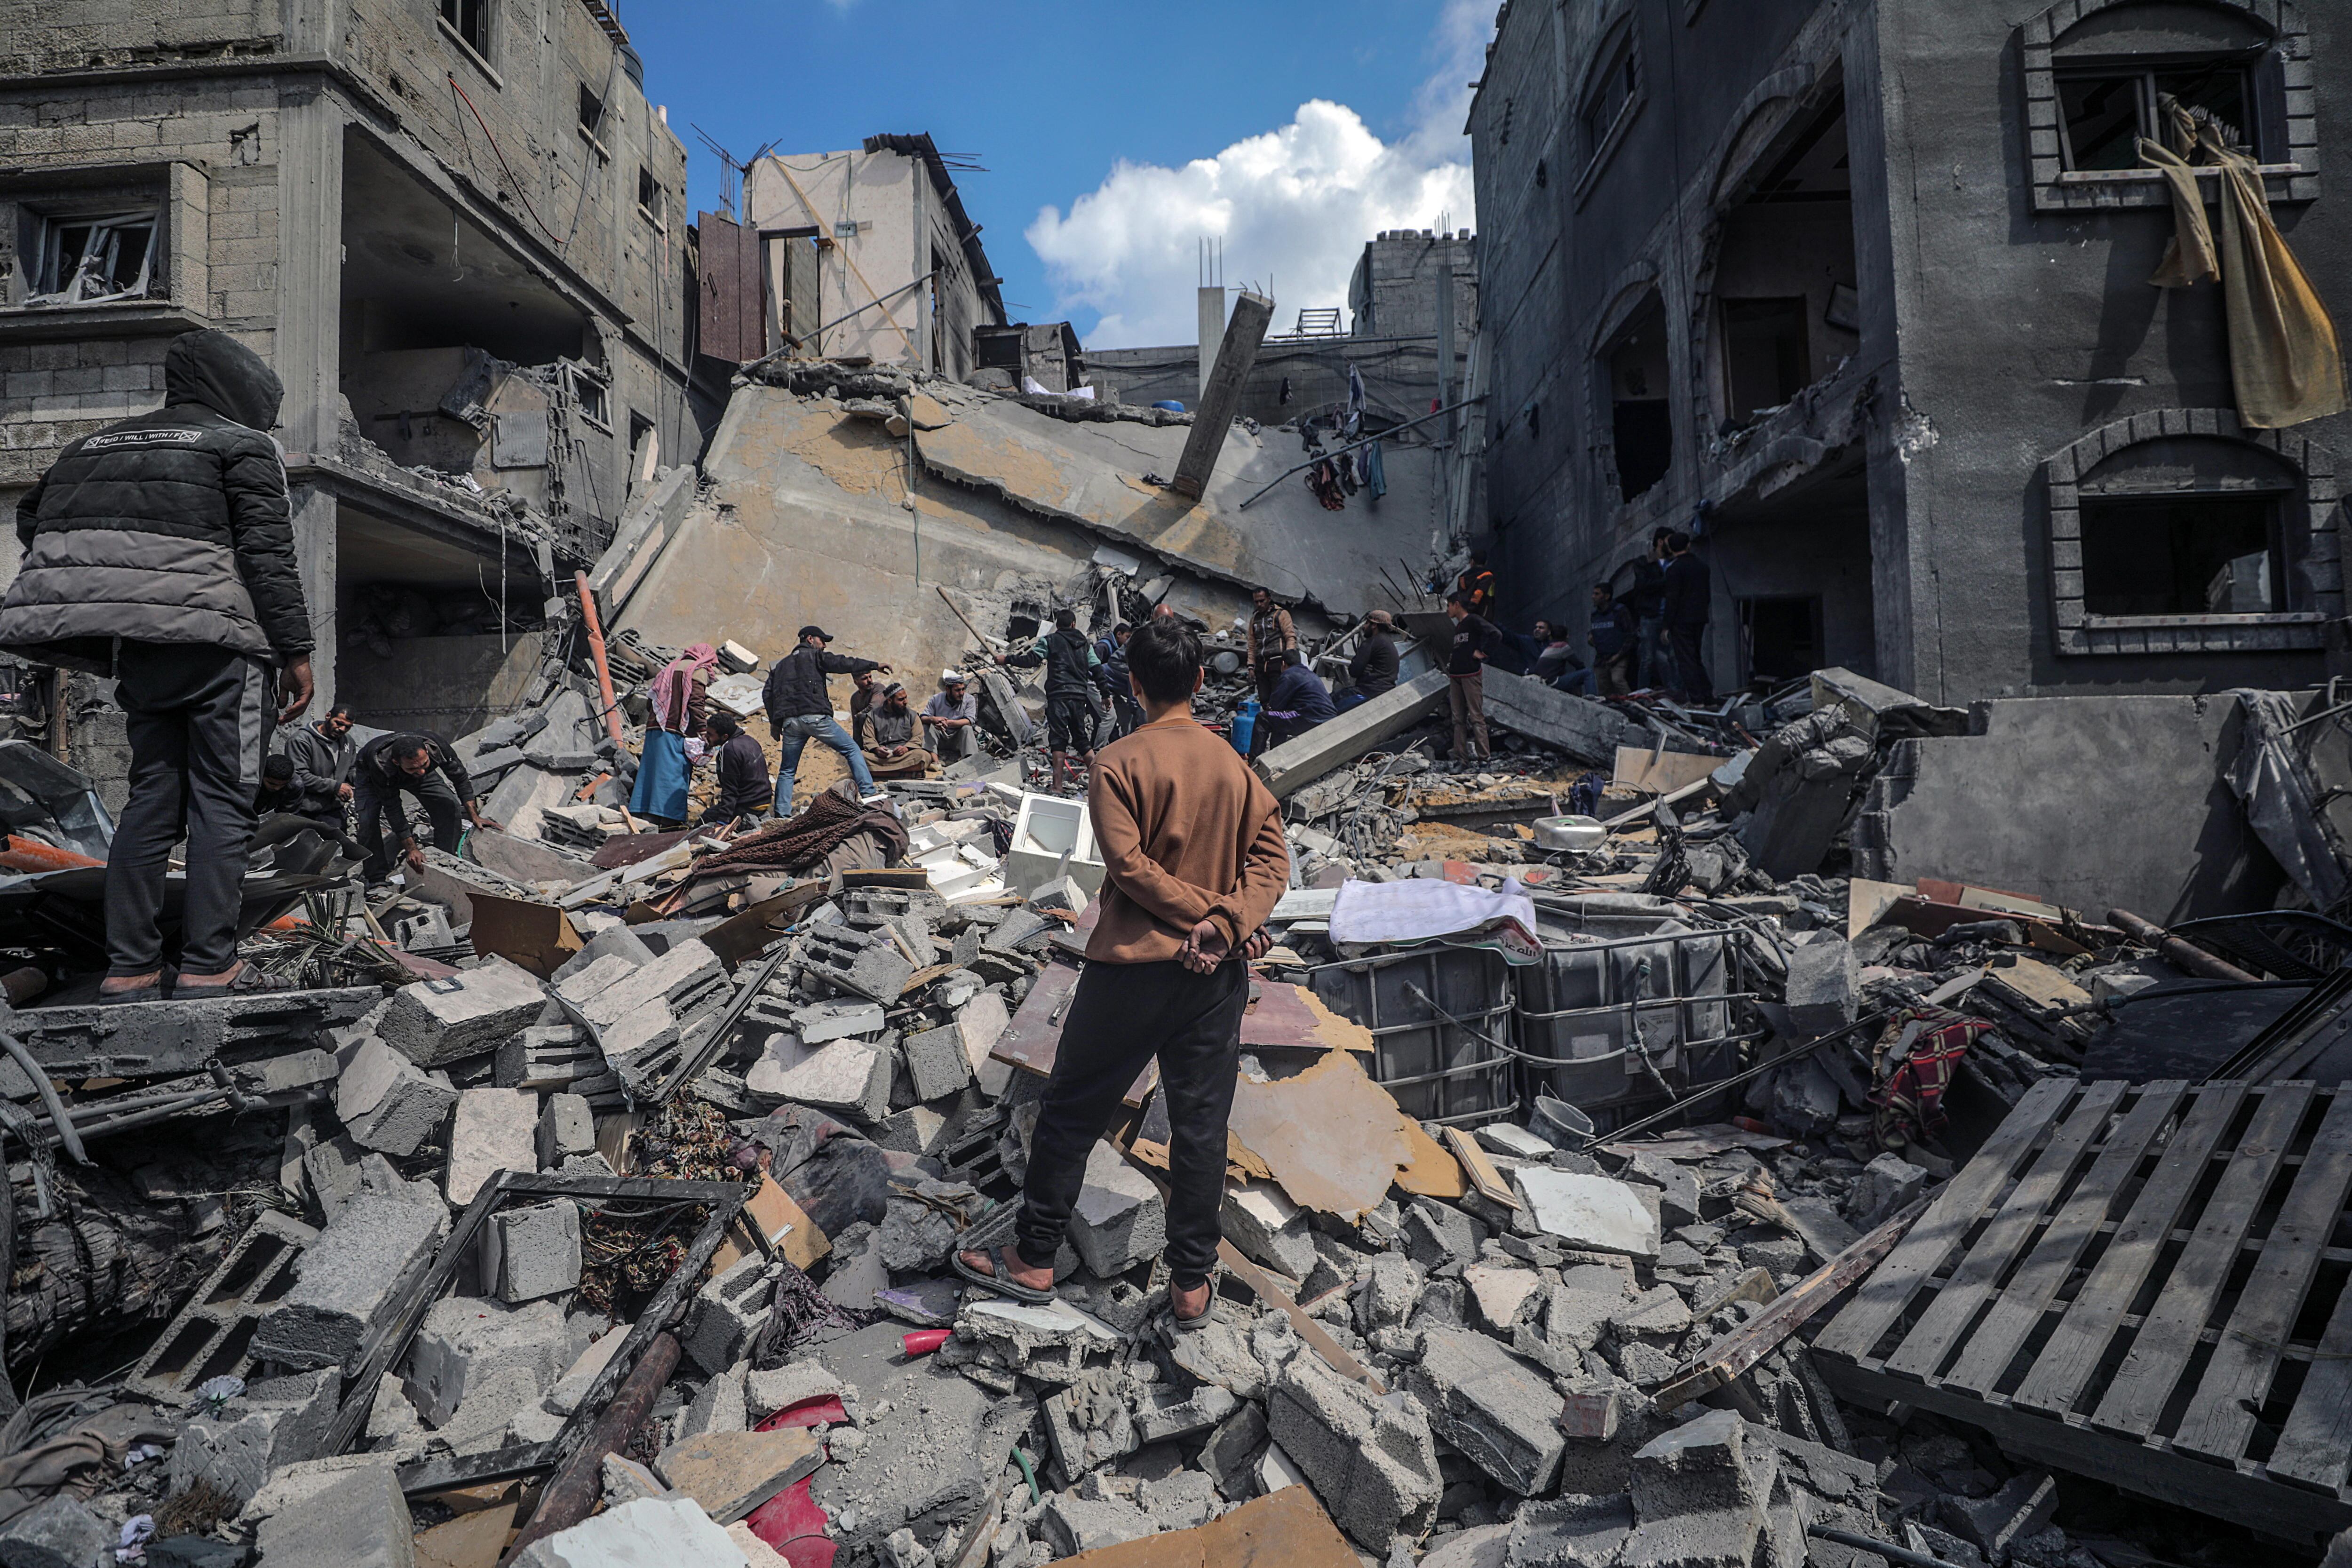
(160, 550)
(1192, 845)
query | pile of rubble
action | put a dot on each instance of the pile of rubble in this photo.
(605, 1214)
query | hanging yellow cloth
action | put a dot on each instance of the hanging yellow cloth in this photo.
(2284, 356)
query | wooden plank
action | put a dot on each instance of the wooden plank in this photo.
(2027, 1295)
(1882, 1299)
(2076, 1346)
(1939, 1330)
(1480, 1169)
(1760, 1336)
(2315, 1446)
(2237, 1379)
(2159, 1352)
(1270, 1291)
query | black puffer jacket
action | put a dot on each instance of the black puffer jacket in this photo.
(170, 527)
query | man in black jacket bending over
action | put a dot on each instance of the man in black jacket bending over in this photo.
(424, 768)
(160, 550)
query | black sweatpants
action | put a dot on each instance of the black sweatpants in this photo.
(198, 719)
(372, 801)
(1122, 1015)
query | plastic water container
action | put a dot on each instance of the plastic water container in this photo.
(1244, 724)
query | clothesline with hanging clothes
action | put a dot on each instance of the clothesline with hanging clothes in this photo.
(1366, 441)
(2286, 362)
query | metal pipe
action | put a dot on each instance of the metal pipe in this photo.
(596, 652)
(1886, 1549)
(574, 1491)
(2174, 951)
(1870, 1022)
(1354, 445)
(48, 1093)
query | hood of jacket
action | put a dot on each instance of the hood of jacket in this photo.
(216, 370)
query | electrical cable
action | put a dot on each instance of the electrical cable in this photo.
(498, 153)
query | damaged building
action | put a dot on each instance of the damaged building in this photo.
(1860, 295)
(457, 232)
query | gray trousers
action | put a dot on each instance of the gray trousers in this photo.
(198, 719)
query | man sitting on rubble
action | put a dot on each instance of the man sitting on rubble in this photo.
(1194, 858)
(284, 806)
(889, 738)
(1300, 702)
(321, 753)
(743, 788)
(424, 769)
(159, 550)
(800, 710)
(949, 717)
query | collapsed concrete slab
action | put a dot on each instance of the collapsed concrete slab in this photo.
(1336, 742)
(1576, 725)
(1502, 1412)
(1369, 1458)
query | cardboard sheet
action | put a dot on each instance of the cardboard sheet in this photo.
(1286, 1529)
(1331, 1137)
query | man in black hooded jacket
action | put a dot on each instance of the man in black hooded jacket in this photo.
(160, 550)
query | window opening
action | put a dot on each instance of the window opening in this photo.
(1613, 90)
(2107, 111)
(2184, 556)
(592, 111)
(1783, 634)
(470, 19)
(90, 260)
(1641, 423)
(1765, 361)
(649, 195)
(594, 399)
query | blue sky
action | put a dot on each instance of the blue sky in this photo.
(1293, 133)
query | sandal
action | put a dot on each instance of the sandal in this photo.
(1208, 1314)
(150, 992)
(246, 980)
(1000, 1278)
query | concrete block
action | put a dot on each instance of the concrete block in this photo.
(1231, 1449)
(731, 1473)
(1184, 1499)
(330, 1169)
(1074, 1524)
(1393, 1284)
(1274, 1470)
(848, 1076)
(566, 1127)
(1678, 1187)
(548, 1056)
(465, 1340)
(1120, 1219)
(865, 962)
(719, 1408)
(1436, 1234)
(59, 1533)
(351, 1274)
(1336, 742)
(672, 1532)
(2019, 1509)
(1165, 1415)
(1593, 1212)
(1888, 1184)
(1569, 1531)
(822, 1021)
(1502, 1138)
(1371, 1458)
(980, 1021)
(434, 1022)
(494, 1129)
(917, 1130)
(360, 1520)
(1824, 986)
(1501, 1412)
(274, 1424)
(1268, 1228)
(1499, 1293)
(613, 941)
(765, 1393)
(724, 1315)
(937, 1063)
(531, 1252)
(388, 1103)
(1702, 1490)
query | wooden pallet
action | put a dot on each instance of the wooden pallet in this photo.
(2146, 1284)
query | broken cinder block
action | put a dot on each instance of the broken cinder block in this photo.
(434, 1022)
(494, 1129)
(346, 1280)
(388, 1103)
(531, 1252)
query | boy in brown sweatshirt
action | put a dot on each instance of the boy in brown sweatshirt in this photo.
(1193, 845)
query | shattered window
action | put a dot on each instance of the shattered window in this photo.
(2184, 556)
(88, 260)
(2106, 113)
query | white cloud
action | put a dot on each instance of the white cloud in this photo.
(1294, 206)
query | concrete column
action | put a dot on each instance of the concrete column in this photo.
(314, 553)
(1221, 397)
(309, 338)
(1213, 331)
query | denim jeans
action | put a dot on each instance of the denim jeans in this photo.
(795, 734)
(1657, 667)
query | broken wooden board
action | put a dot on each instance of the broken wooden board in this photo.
(772, 1223)
(1292, 1015)
(1866, 901)
(1759, 1336)
(2115, 1286)
(1035, 1034)
(1480, 1169)
(475, 1539)
(1640, 767)
(1333, 1139)
(1433, 1173)
(1285, 1528)
(2035, 988)
(1269, 1289)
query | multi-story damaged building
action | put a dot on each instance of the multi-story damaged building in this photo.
(1858, 292)
(455, 227)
